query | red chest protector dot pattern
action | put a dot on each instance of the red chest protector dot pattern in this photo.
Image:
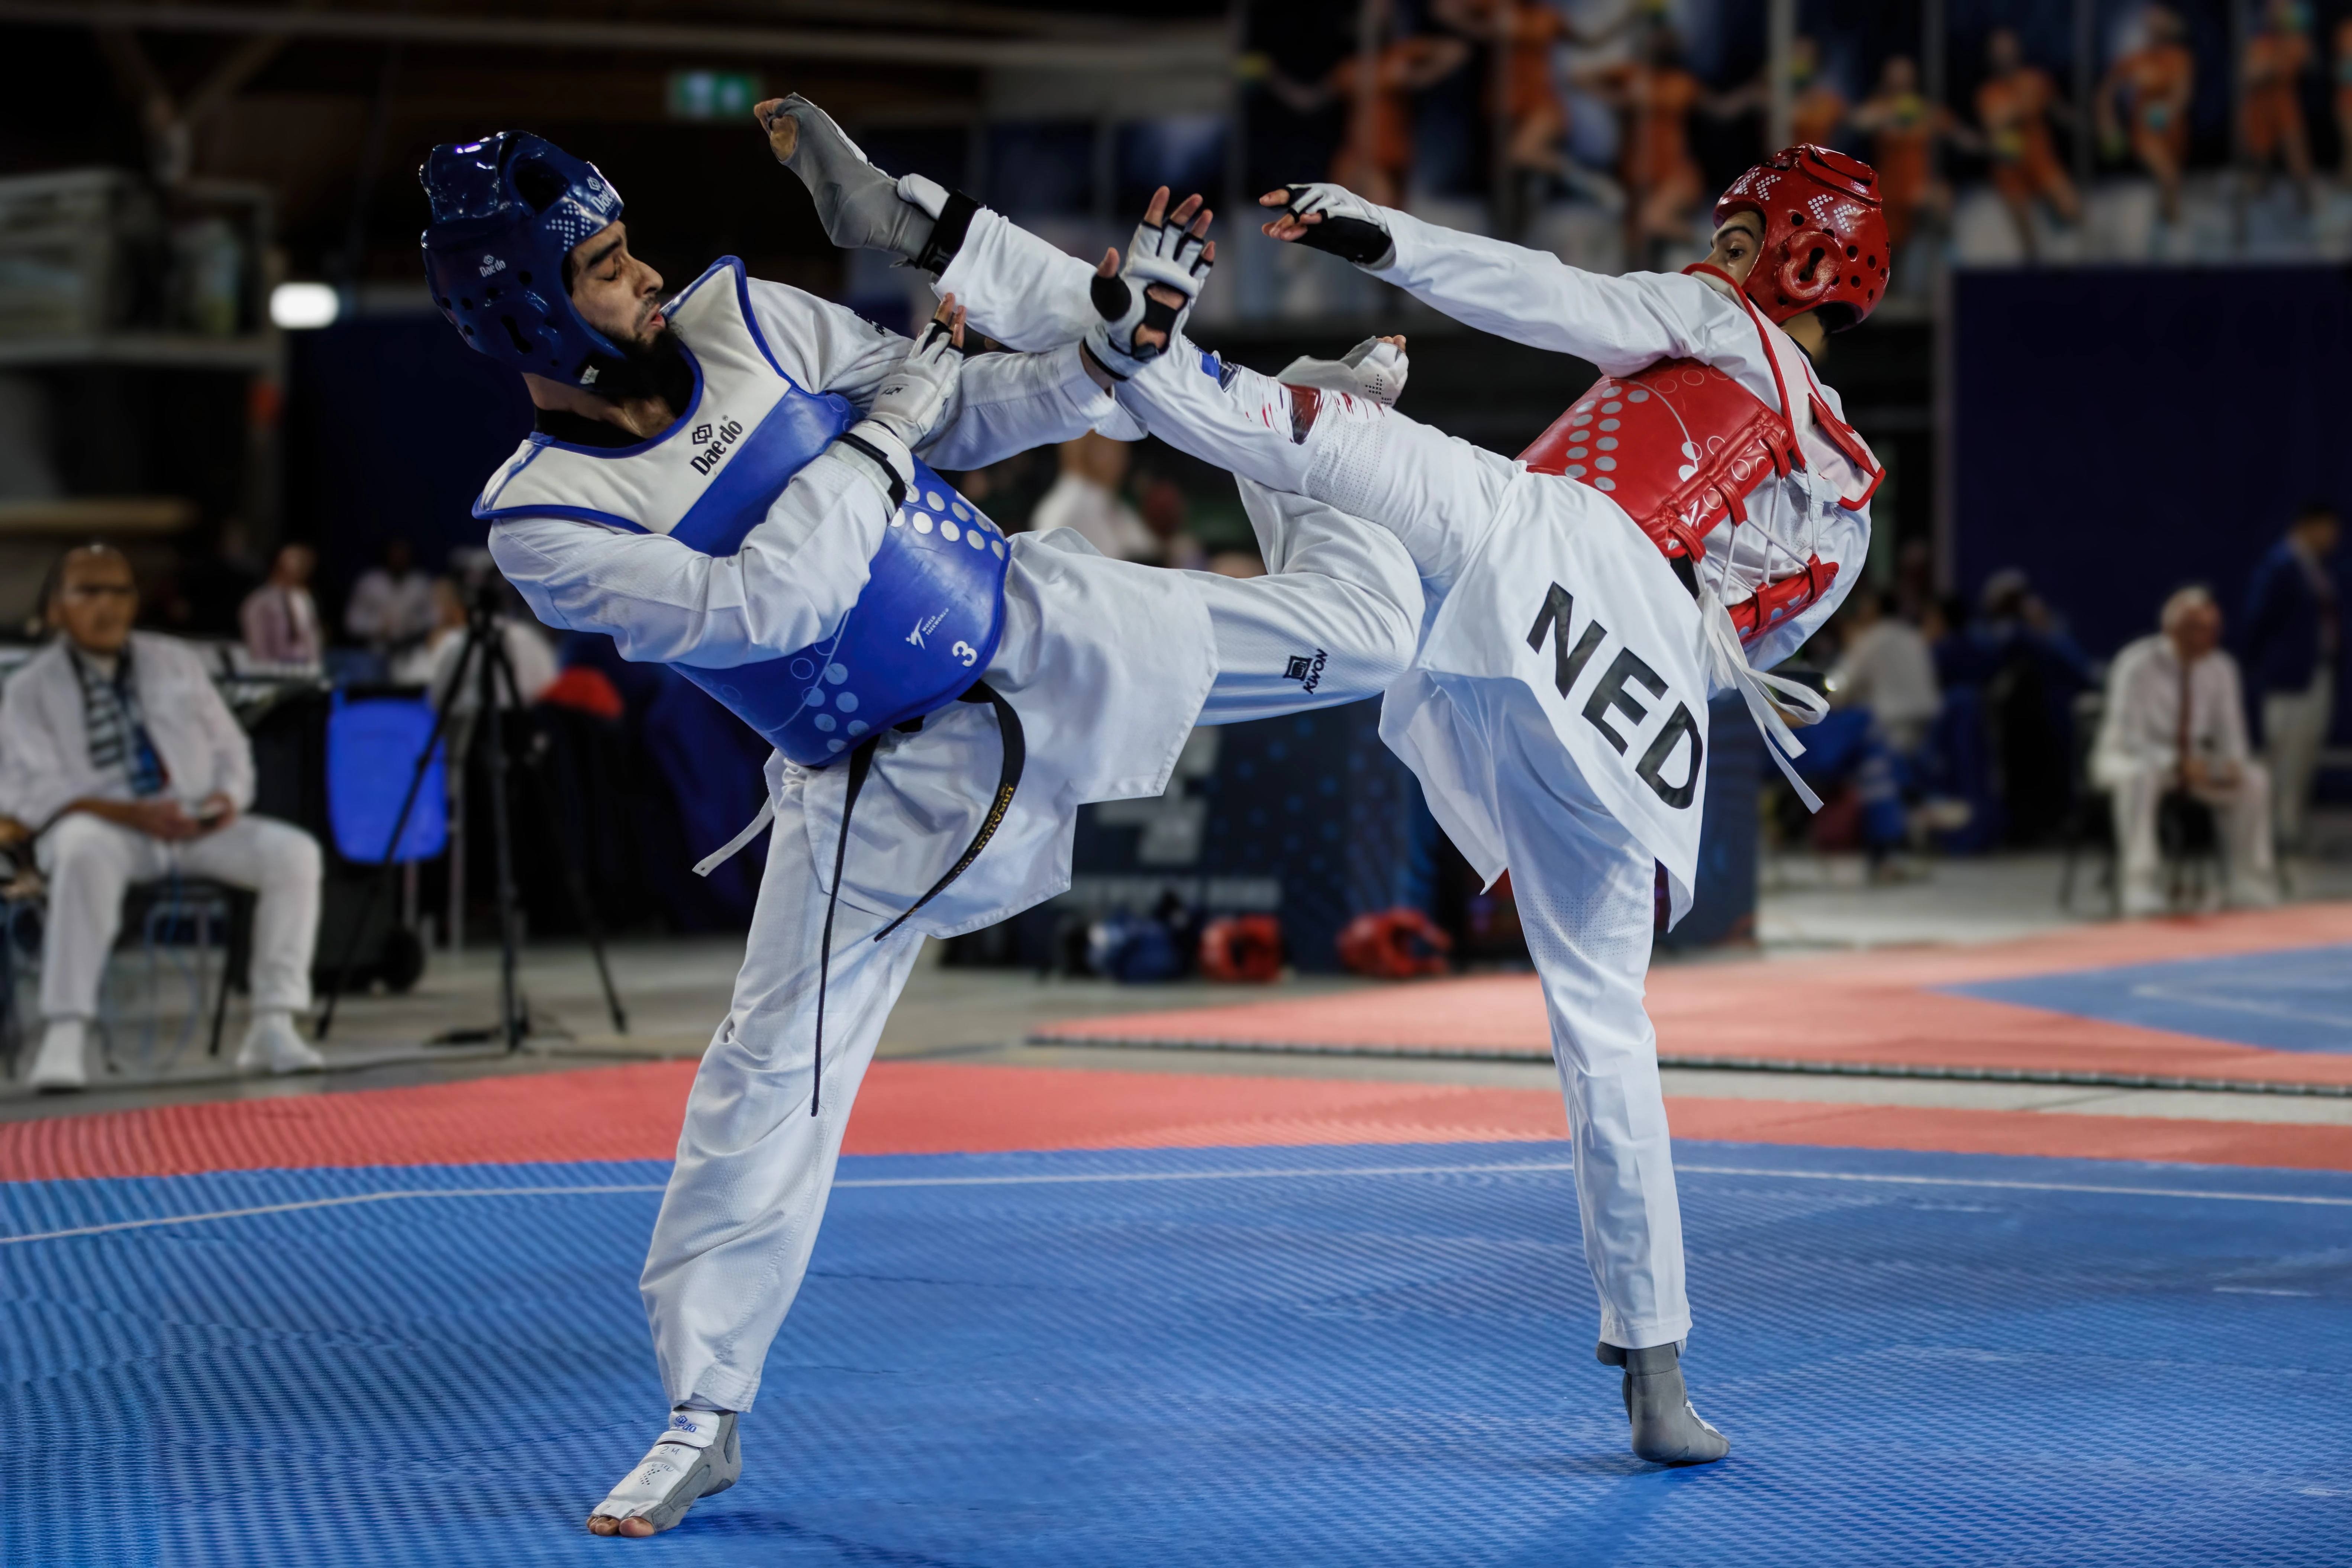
(1679, 445)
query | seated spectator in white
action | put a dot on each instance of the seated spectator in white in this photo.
(280, 620)
(529, 654)
(415, 667)
(1085, 498)
(391, 606)
(1888, 667)
(115, 743)
(2175, 721)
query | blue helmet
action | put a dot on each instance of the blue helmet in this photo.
(507, 210)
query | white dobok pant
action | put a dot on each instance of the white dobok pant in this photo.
(1584, 885)
(732, 1240)
(2241, 819)
(1587, 892)
(89, 864)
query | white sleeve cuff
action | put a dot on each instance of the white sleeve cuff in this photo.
(879, 457)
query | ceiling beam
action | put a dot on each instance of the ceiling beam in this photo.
(1203, 47)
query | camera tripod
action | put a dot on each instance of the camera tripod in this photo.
(485, 655)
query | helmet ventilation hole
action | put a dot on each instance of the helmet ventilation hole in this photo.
(514, 334)
(539, 185)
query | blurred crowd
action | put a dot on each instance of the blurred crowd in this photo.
(1965, 726)
(1603, 101)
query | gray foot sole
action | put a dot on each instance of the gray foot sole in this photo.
(858, 204)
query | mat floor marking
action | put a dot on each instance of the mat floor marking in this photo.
(1548, 1167)
(1202, 1358)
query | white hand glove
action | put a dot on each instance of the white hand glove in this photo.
(1351, 228)
(1374, 369)
(1163, 254)
(913, 398)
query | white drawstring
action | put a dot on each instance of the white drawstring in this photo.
(1767, 695)
(729, 850)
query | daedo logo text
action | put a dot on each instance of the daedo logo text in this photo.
(722, 442)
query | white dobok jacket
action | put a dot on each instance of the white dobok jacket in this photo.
(1626, 323)
(1106, 667)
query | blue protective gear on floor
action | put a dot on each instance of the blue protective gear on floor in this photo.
(1279, 1355)
(1844, 746)
(2298, 999)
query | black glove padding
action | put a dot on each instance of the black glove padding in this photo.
(1351, 228)
(1165, 255)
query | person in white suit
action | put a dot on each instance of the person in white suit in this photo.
(2175, 721)
(115, 744)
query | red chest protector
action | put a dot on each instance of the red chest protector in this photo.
(1681, 444)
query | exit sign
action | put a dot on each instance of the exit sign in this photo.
(712, 95)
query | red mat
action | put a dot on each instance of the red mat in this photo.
(1852, 1010)
(633, 1112)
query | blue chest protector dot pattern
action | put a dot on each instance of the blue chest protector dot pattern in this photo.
(927, 620)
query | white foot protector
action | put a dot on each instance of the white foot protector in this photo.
(699, 1457)
(62, 1064)
(272, 1045)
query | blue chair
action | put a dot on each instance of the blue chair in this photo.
(178, 921)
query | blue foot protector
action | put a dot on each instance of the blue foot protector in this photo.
(1351, 1357)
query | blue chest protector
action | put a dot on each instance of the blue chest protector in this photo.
(927, 620)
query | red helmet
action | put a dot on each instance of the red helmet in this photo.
(1824, 234)
(1241, 947)
(1395, 945)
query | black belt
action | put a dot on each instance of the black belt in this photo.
(861, 763)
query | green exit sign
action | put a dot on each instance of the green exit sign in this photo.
(712, 95)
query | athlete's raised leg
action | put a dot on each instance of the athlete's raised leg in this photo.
(1437, 494)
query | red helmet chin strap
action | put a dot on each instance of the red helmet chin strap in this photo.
(1824, 242)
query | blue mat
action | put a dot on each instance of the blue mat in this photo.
(1315, 1356)
(2300, 1000)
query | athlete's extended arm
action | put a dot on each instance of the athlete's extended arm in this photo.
(660, 601)
(1004, 404)
(1621, 324)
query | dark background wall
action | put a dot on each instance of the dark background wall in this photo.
(392, 426)
(2219, 403)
